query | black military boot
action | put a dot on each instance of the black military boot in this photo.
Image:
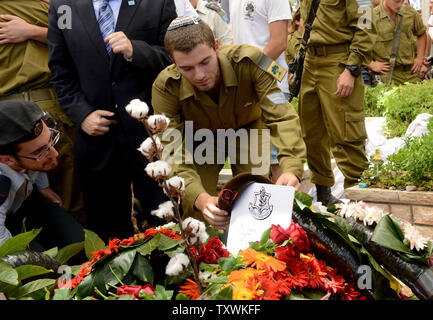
(325, 196)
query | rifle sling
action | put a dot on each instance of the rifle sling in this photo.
(395, 45)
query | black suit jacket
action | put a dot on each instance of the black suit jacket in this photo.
(86, 78)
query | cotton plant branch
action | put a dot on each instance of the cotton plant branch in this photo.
(174, 187)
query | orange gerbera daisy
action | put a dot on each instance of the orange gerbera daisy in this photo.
(261, 261)
(190, 289)
(270, 287)
(249, 290)
(243, 275)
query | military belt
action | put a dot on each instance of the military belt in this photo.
(321, 51)
(32, 95)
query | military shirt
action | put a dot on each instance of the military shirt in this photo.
(294, 41)
(337, 22)
(247, 94)
(24, 66)
(217, 20)
(386, 28)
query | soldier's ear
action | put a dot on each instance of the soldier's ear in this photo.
(217, 46)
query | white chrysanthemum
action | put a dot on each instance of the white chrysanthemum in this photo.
(176, 186)
(318, 207)
(157, 123)
(416, 240)
(158, 169)
(373, 215)
(361, 211)
(195, 230)
(165, 211)
(137, 109)
(177, 265)
(148, 148)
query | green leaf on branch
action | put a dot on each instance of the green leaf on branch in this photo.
(302, 200)
(181, 296)
(62, 294)
(28, 271)
(162, 294)
(8, 274)
(166, 243)
(142, 269)
(265, 236)
(147, 248)
(120, 266)
(224, 294)
(52, 252)
(68, 252)
(176, 279)
(388, 234)
(92, 243)
(18, 242)
(230, 264)
(32, 287)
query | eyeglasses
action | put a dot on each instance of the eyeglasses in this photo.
(55, 135)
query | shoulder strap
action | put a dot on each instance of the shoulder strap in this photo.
(395, 44)
(309, 25)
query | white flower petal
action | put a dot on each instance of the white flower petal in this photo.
(158, 169)
(137, 109)
(177, 264)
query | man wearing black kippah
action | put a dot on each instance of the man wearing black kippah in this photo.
(26, 153)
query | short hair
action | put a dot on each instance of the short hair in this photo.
(186, 38)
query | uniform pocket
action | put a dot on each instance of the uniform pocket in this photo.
(354, 127)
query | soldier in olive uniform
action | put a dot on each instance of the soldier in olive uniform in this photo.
(227, 88)
(331, 99)
(216, 18)
(409, 61)
(24, 75)
(294, 37)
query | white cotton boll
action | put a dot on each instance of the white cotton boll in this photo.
(177, 265)
(318, 207)
(158, 123)
(176, 186)
(206, 275)
(158, 169)
(193, 226)
(137, 109)
(167, 226)
(147, 147)
(165, 210)
(203, 236)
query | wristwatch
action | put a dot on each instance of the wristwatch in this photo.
(354, 70)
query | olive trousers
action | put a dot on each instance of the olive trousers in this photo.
(330, 123)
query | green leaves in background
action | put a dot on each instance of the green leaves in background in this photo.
(18, 242)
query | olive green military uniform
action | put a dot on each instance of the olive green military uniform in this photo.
(249, 98)
(294, 41)
(24, 74)
(330, 122)
(217, 19)
(412, 27)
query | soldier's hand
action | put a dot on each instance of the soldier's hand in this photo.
(51, 195)
(14, 30)
(208, 205)
(97, 124)
(120, 44)
(380, 67)
(345, 84)
(417, 64)
(288, 179)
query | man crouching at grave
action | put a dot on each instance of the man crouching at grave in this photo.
(215, 95)
(26, 154)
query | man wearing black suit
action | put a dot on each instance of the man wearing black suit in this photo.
(96, 74)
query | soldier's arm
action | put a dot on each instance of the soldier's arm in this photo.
(421, 42)
(278, 39)
(17, 30)
(282, 120)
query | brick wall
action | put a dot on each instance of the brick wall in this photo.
(415, 207)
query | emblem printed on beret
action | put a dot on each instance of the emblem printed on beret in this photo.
(182, 22)
(38, 129)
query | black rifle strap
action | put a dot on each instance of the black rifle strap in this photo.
(395, 44)
(309, 25)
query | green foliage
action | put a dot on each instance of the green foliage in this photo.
(412, 165)
(399, 104)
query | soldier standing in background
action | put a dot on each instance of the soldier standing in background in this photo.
(331, 99)
(216, 18)
(24, 75)
(408, 63)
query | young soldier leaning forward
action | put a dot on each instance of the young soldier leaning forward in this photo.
(225, 89)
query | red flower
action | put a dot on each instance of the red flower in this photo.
(299, 237)
(135, 290)
(270, 287)
(278, 234)
(287, 254)
(212, 252)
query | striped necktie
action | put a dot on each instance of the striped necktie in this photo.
(106, 22)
